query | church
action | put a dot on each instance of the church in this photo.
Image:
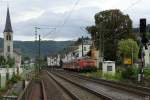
(8, 48)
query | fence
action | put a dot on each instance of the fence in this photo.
(8, 98)
(25, 94)
(6, 74)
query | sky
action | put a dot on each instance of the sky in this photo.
(61, 20)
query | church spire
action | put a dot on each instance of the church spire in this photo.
(8, 27)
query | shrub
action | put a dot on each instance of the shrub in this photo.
(130, 73)
(147, 73)
(15, 78)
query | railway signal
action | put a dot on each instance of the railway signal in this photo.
(143, 44)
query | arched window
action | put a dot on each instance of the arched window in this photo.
(9, 37)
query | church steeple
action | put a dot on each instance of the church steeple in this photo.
(8, 37)
(8, 27)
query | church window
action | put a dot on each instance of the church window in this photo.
(8, 48)
(7, 37)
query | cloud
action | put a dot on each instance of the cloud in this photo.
(26, 14)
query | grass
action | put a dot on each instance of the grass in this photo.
(147, 73)
(15, 94)
(3, 90)
(108, 76)
(130, 75)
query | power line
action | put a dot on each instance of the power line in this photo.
(132, 5)
(49, 33)
(43, 27)
(69, 15)
(84, 30)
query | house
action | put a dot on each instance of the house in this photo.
(78, 51)
(53, 60)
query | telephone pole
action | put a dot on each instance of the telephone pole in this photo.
(82, 47)
(36, 46)
(39, 53)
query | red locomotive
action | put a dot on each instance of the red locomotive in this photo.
(82, 64)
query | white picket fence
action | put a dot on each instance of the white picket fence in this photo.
(3, 72)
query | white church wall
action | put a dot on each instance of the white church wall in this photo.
(17, 60)
(3, 72)
(8, 43)
(3, 80)
(8, 50)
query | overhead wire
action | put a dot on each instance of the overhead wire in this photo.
(59, 27)
(132, 4)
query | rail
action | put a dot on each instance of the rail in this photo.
(141, 92)
(43, 91)
(25, 94)
(127, 87)
(103, 96)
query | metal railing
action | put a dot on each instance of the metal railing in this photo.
(8, 98)
(26, 92)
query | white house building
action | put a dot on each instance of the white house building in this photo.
(53, 60)
(8, 49)
(108, 67)
(80, 51)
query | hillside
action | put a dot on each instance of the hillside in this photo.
(29, 48)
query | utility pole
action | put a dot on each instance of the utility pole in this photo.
(132, 55)
(36, 45)
(82, 47)
(39, 53)
(100, 46)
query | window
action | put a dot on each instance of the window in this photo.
(8, 48)
(8, 37)
(109, 68)
(84, 48)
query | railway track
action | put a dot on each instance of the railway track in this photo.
(34, 91)
(77, 91)
(113, 90)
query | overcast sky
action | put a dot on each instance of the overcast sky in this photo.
(26, 14)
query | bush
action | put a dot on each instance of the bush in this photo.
(99, 74)
(147, 73)
(15, 78)
(130, 73)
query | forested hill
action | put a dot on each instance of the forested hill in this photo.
(29, 48)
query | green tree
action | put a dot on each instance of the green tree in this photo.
(128, 48)
(10, 62)
(94, 34)
(2, 61)
(110, 27)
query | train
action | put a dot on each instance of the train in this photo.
(80, 64)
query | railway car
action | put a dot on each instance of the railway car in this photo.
(82, 64)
